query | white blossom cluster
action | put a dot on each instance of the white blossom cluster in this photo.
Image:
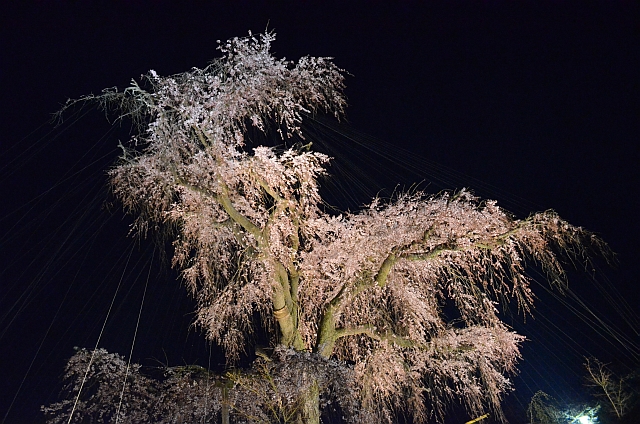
(367, 288)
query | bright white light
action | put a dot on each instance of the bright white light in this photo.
(585, 415)
(584, 419)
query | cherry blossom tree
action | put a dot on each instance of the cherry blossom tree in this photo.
(94, 391)
(407, 291)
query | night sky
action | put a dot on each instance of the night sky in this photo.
(535, 105)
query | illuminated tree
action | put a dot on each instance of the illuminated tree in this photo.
(543, 409)
(101, 387)
(252, 239)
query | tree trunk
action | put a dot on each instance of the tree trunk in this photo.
(310, 408)
(225, 405)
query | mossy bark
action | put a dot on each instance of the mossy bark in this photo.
(225, 405)
(310, 406)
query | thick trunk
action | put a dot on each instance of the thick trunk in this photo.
(326, 333)
(310, 408)
(285, 311)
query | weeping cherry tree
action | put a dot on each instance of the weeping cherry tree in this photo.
(260, 252)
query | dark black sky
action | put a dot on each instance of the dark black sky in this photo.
(535, 102)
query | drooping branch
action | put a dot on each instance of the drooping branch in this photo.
(223, 200)
(385, 268)
(227, 205)
(370, 330)
(284, 296)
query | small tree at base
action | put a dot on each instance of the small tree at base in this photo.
(102, 387)
(368, 288)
